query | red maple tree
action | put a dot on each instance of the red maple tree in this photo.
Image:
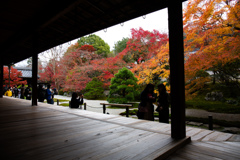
(14, 77)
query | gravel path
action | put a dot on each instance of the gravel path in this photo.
(94, 105)
(220, 116)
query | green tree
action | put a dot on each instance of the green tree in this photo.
(120, 45)
(94, 89)
(123, 87)
(97, 42)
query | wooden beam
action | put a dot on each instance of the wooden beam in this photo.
(176, 49)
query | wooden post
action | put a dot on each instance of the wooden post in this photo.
(210, 123)
(58, 102)
(177, 82)
(85, 106)
(104, 108)
(9, 72)
(1, 78)
(34, 78)
(127, 111)
(34, 68)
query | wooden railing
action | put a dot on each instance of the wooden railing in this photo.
(117, 105)
(105, 104)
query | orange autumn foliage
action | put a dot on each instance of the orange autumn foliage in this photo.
(154, 69)
(212, 27)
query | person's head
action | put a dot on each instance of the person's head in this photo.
(74, 95)
(15, 86)
(9, 88)
(48, 86)
(161, 88)
(149, 88)
(80, 95)
(40, 86)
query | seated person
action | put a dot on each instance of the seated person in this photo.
(8, 93)
(76, 101)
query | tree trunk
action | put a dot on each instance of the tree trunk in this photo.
(214, 79)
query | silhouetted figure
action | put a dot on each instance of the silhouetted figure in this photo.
(19, 92)
(163, 104)
(28, 93)
(76, 101)
(146, 108)
(41, 93)
(49, 95)
(5, 89)
(22, 91)
(55, 91)
(81, 100)
(15, 90)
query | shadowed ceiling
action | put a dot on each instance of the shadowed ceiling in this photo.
(33, 26)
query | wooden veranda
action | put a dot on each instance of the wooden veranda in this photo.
(55, 132)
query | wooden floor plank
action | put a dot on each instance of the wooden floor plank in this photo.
(235, 138)
(234, 144)
(129, 150)
(201, 135)
(202, 150)
(33, 132)
(163, 148)
(193, 132)
(24, 117)
(93, 148)
(42, 120)
(69, 139)
(39, 142)
(40, 124)
(190, 155)
(221, 146)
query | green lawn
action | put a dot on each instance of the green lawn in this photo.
(64, 104)
(131, 112)
(60, 100)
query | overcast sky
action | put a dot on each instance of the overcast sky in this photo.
(157, 20)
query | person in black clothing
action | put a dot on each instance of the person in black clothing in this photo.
(146, 108)
(163, 104)
(28, 93)
(41, 93)
(15, 90)
(22, 91)
(5, 89)
(76, 101)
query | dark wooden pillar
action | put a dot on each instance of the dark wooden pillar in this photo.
(176, 49)
(9, 74)
(34, 69)
(1, 78)
(34, 79)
